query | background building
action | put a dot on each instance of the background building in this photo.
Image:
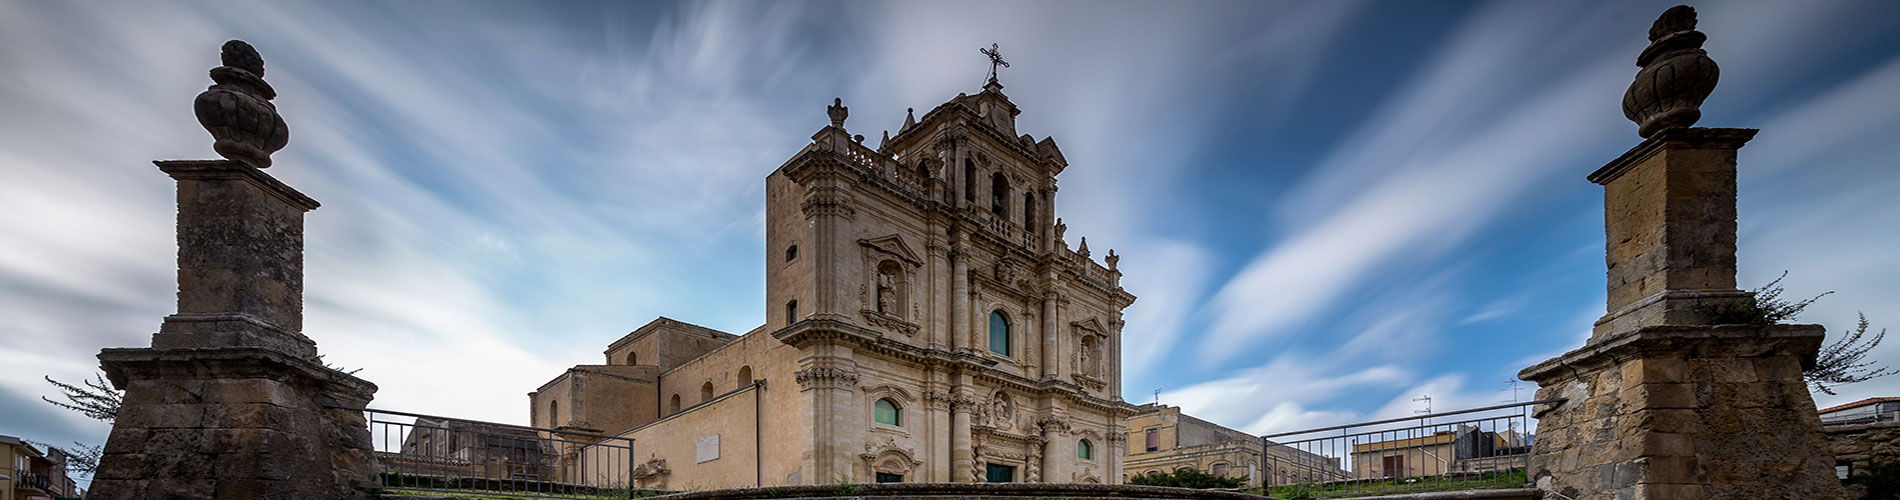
(33, 473)
(1164, 439)
(928, 322)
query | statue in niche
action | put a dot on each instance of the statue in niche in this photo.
(886, 294)
(1088, 358)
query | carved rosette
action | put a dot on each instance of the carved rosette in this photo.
(826, 378)
(237, 108)
(1676, 76)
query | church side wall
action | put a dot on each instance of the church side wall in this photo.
(771, 361)
(724, 425)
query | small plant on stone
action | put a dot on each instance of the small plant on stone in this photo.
(1842, 362)
(1767, 308)
(844, 488)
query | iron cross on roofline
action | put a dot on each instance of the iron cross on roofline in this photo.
(996, 59)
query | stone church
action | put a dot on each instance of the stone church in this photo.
(926, 321)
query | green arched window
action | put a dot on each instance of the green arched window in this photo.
(1084, 450)
(999, 333)
(886, 412)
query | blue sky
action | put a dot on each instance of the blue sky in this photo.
(1327, 209)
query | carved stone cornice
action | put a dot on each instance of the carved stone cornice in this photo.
(824, 378)
(823, 202)
(890, 322)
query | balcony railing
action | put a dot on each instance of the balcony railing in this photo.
(1456, 450)
(416, 452)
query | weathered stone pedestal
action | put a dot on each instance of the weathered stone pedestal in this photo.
(232, 423)
(231, 401)
(1683, 412)
(1659, 403)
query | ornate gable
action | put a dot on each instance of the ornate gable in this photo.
(895, 246)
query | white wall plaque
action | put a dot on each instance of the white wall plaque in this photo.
(706, 449)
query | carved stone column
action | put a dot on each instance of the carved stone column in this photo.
(1117, 450)
(961, 456)
(231, 400)
(960, 294)
(827, 395)
(1051, 336)
(1055, 449)
(937, 408)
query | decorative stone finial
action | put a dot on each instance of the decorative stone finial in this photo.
(1084, 249)
(837, 111)
(1676, 76)
(237, 109)
(910, 119)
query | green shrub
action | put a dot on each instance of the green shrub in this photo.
(1187, 478)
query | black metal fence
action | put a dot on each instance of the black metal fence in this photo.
(419, 452)
(1466, 449)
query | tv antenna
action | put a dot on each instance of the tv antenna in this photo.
(1157, 397)
(1513, 390)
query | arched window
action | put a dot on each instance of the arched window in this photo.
(791, 253)
(999, 333)
(674, 405)
(745, 377)
(1029, 212)
(633, 359)
(705, 392)
(791, 312)
(1084, 450)
(554, 414)
(1220, 470)
(999, 194)
(885, 412)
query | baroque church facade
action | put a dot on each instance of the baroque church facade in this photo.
(926, 321)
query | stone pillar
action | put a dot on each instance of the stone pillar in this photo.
(1051, 337)
(1669, 218)
(231, 400)
(1117, 451)
(960, 294)
(1660, 402)
(937, 407)
(961, 458)
(1055, 450)
(828, 398)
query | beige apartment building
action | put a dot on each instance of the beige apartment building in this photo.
(1164, 439)
(1465, 449)
(33, 474)
(926, 320)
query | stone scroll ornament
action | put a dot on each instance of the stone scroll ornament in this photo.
(1676, 76)
(237, 109)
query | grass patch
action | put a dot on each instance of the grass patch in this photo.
(1511, 478)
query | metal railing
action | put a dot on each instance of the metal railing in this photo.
(1456, 450)
(417, 452)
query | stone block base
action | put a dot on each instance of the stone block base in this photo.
(236, 423)
(1683, 412)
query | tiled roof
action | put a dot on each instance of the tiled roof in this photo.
(1858, 404)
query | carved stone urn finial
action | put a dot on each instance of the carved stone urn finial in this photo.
(237, 109)
(1676, 76)
(837, 111)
